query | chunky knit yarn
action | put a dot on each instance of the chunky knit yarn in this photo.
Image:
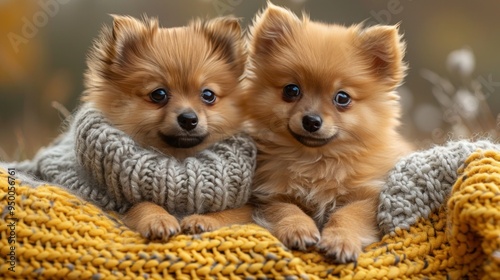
(59, 236)
(421, 182)
(105, 166)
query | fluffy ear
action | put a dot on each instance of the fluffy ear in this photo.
(385, 50)
(271, 26)
(128, 34)
(226, 37)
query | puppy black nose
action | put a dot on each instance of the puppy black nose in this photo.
(188, 120)
(311, 123)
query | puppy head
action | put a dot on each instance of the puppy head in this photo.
(314, 86)
(173, 89)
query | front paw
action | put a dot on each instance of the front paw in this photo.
(195, 224)
(339, 245)
(158, 226)
(297, 235)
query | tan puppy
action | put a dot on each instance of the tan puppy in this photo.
(171, 89)
(323, 111)
(322, 108)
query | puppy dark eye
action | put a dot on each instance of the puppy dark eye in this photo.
(159, 95)
(342, 99)
(208, 96)
(291, 92)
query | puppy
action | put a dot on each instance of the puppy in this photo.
(170, 89)
(324, 114)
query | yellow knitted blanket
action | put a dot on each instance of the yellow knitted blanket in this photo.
(48, 233)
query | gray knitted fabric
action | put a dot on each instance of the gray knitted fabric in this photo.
(105, 166)
(421, 182)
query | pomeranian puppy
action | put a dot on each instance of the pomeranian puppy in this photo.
(170, 89)
(324, 114)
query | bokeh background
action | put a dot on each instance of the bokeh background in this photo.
(452, 89)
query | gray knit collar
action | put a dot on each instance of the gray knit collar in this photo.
(104, 165)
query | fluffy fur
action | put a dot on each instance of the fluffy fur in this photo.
(322, 156)
(171, 89)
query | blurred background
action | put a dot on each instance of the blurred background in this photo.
(452, 89)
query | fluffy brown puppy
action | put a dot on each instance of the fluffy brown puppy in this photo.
(324, 114)
(170, 89)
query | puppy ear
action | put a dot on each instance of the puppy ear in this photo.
(226, 37)
(385, 50)
(271, 27)
(126, 27)
(128, 34)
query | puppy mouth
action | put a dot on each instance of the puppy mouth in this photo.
(182, 141)
(310, 141)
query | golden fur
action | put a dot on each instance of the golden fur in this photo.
(318, 183)
(148, 81)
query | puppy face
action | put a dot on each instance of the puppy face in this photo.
(173, 89)
(322, 88)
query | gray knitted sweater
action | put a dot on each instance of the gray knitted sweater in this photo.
(105, 166)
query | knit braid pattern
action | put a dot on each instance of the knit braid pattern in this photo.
(421, 182)
(105, 166)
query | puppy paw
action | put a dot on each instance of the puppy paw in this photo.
(158, 226)
(297, 235)
(340, 245)
(195, 224)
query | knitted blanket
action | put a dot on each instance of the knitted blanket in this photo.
(49, 233)
(421, 182)
(105, 166)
